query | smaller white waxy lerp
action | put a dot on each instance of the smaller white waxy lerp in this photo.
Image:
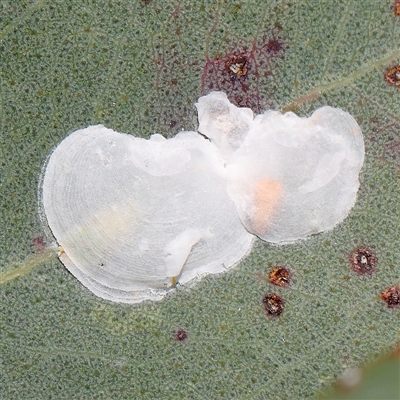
(289, 177)
(135, 217)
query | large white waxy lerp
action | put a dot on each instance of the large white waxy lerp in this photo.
(134, 217)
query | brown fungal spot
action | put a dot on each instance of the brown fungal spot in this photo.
(396, 7)
(273, 46)
(180, 335)
(391, 296)
(363, 261)
(386, 130)
(280, 276)
(273, 305)
(392, 76)
(176, 11)
(237, 66)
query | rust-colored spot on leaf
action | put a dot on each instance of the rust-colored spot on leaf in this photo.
(363, 261)
(180, 335)
(273, 305)
(280, 276)
(240, 72)
(396, 7)
(392, 76)
(391, 296)
(237, 66)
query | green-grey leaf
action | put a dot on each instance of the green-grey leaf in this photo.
(139, 67)
(377, 380)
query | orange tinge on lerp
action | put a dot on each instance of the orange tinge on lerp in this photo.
(267, 194)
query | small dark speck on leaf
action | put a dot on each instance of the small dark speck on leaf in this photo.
(363, 261)
(392, 76)
(180, 335)
(38, 244)
(391, 296)
(273, 305)
(176, 11)
(280, 276)
(273, 46)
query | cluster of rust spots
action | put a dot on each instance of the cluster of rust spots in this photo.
(392, 76)
(391, 296)
(240, 72)
(363, 261)
(396, 7)
(180, 335)
(273, 305)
